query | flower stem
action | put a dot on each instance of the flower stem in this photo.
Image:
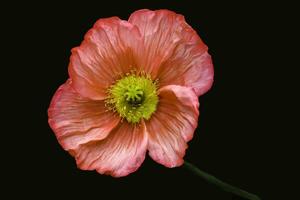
(224, 186)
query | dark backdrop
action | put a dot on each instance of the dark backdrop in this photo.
(236, 115)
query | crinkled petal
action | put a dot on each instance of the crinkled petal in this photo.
(174, 52)
(108, 51)
(189, 70)
(76, 120)
(172, 125)
(120, 154)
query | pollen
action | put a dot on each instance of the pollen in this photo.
(134, 97)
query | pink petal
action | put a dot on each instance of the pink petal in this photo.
(120, 154)
(172, 125)
(108, 51)
(76, 120)
(192, 70)
(174, 54)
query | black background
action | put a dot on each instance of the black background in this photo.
(236, 116)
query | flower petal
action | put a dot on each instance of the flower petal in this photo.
(120, 154)
(174, 54)
(172, 125)
(192, 70)
(109, 50)
(76, 120)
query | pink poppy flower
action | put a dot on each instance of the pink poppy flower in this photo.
(133, 88)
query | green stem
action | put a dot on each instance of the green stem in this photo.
(224, 186)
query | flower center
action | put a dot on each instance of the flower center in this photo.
(133, 97)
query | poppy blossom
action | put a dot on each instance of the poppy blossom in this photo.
(133, 87)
